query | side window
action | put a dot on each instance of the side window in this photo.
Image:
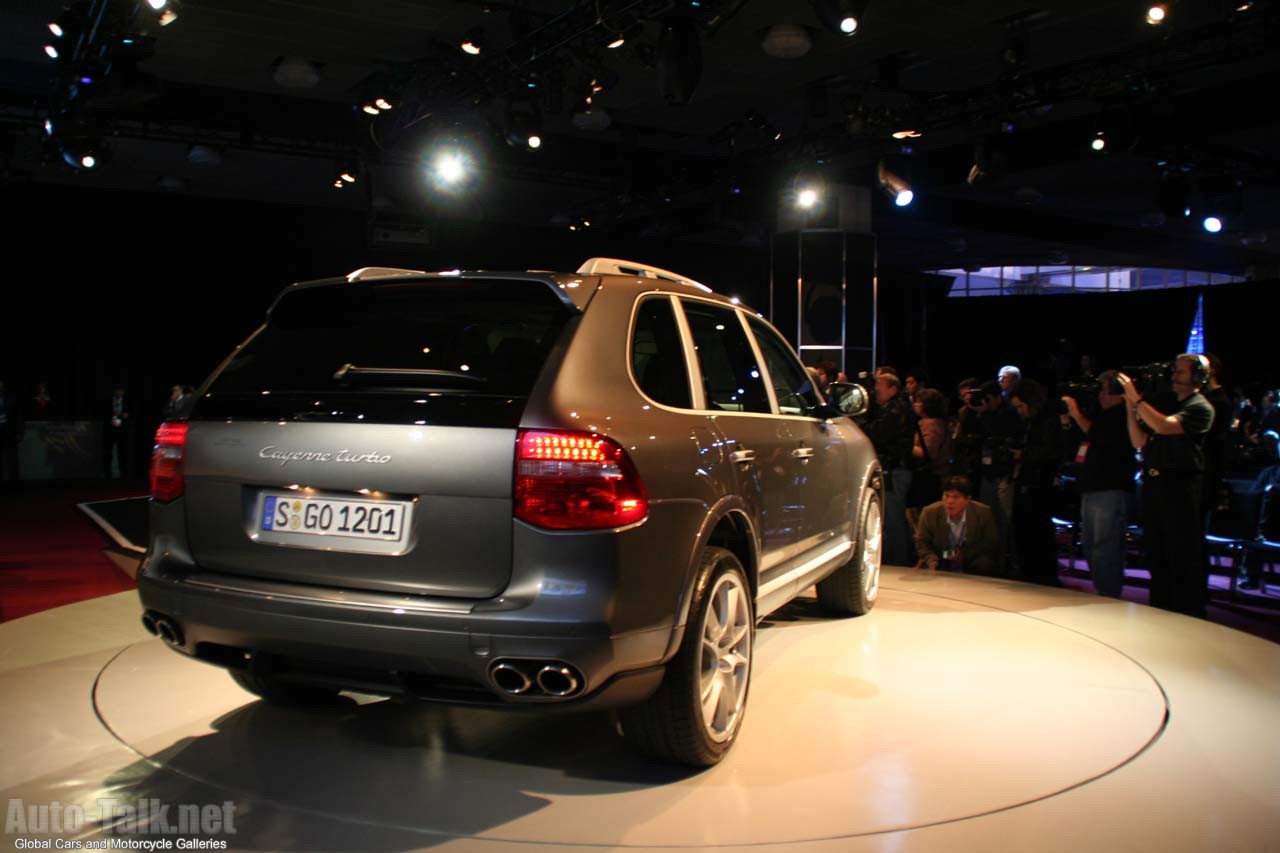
(730, 374)
(791, 384)
(657, 355)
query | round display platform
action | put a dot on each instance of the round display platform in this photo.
(959, 713)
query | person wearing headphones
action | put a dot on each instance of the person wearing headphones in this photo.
(1170, 432)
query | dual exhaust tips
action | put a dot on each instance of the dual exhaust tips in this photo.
(535, 678)
(163, 627)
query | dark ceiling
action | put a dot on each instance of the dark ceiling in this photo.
(697, 157)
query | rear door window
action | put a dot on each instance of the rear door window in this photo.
(791, 383)
(730, 373)
(657, 354)
(486, 336)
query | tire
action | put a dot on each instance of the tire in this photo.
(283, 693)
(851, 590)
(673, 725)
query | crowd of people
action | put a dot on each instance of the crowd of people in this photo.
(975, 487)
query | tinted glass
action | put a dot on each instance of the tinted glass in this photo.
(730, 374)
(791, 384)
(657, 355)
(495, 333)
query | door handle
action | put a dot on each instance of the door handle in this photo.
(803, 453)
(743, 456)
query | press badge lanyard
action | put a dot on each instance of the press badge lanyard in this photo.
(957, 538)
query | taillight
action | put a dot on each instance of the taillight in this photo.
(576, 481)
(166, 461)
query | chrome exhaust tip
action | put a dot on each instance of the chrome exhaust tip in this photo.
(509, 679)
(557, 680)
(169, 631)
(149, 622)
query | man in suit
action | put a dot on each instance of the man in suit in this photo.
(958, 534)
(117, 436)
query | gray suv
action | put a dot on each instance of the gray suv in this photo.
(556, 491)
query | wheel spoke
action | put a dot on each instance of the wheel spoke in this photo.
(739, 631)
(714, 630)
(731, 603)
(711, 692)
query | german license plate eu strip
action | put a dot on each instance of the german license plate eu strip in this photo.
(305, 517)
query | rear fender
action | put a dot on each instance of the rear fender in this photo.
(727, 506)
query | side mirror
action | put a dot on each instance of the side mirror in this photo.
(849, 398)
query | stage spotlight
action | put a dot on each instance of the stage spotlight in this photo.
(1157, 13)
(56, 29)
(523, 125)
(473, 41)
(347, 176)
(449, 167)
(85, 155)
(382, 104)
(51, 51)
(1212, 224)
(168, 10)
(894, 186)
(843, 17)
(807, 198)
(1099, 142)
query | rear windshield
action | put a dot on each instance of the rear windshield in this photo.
(472, 336)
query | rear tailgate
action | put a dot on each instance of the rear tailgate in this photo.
(365, 436)
(442, 496)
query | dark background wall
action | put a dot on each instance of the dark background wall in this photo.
(150, 290)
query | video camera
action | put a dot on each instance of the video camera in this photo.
(1151, 378)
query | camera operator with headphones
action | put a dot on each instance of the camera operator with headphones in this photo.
(1170, 433)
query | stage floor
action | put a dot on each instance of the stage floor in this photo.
(961, 714)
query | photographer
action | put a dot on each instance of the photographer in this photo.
(967, 436)
(1169, 432)
(999, 431)
(958, 534)
(891, 428)
(1105, 467)
(1033, 476)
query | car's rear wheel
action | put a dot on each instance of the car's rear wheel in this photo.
(851, 590)
(282, 692)
(696, 713)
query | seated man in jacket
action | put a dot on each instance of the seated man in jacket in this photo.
(958, 534)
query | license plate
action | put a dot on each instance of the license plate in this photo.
(307, 517)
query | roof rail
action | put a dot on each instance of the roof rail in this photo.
(380, 272)
(593, 266)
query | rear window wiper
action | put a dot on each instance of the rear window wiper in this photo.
(349, 373)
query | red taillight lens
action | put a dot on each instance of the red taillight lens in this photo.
(166, 461)
(576, 481)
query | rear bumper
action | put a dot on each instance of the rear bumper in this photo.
(393, 645)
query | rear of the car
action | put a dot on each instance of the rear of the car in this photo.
(355, 502)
